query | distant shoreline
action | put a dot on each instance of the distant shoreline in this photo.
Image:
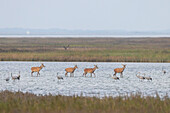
(84, 36)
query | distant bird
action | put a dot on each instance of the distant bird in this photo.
(7, 79)
(140, 77)
(164, 71)
(59, 77)
(16, 77)
(66, 47)
(148, 78)
(115, 77)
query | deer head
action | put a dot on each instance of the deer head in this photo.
(75, 66)
(124, 65)
(42, 65)
(96, 66)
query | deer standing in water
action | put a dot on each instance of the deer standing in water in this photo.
(90, 70)
(70, 70)
(36, 69)
(119, 70)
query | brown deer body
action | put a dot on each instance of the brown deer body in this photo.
(36, 69)
(70, 70)
(90, 70)
(119, 70)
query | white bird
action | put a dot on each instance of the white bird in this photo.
(115, 77)
(140, 77)
(16, 77)
(7, 79)
(148, 78)
(164, 71)
(59, 77)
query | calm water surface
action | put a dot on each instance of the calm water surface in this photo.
(100, 86)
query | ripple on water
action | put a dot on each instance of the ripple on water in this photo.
(101, 85)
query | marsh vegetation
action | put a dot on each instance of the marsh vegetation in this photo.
(85, 49)
(29, 103)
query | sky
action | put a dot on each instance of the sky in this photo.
(139, 15)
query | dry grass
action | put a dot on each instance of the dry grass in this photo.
(86, 49)
(29, 103)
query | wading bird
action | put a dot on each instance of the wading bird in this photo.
(59, 77)
(15, 77)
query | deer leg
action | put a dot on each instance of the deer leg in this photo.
(91, 74)
(66, 73)
(94, 74)
(32, 73)
(114, 74)
(85, 74)
(71, 74)
(38, 73)
(121, 75)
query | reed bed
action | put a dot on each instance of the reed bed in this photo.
(86, 50)
(89, 56)
(19, 102)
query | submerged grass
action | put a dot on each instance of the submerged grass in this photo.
(29, 103)
(86, 49)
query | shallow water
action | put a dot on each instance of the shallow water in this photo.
(100, 86)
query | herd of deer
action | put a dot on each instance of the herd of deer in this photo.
(86, 70)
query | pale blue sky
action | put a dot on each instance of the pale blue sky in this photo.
(86, 14)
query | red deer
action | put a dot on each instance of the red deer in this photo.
(119, 70)
(70, 70)
(36, 69)
(90, 70)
